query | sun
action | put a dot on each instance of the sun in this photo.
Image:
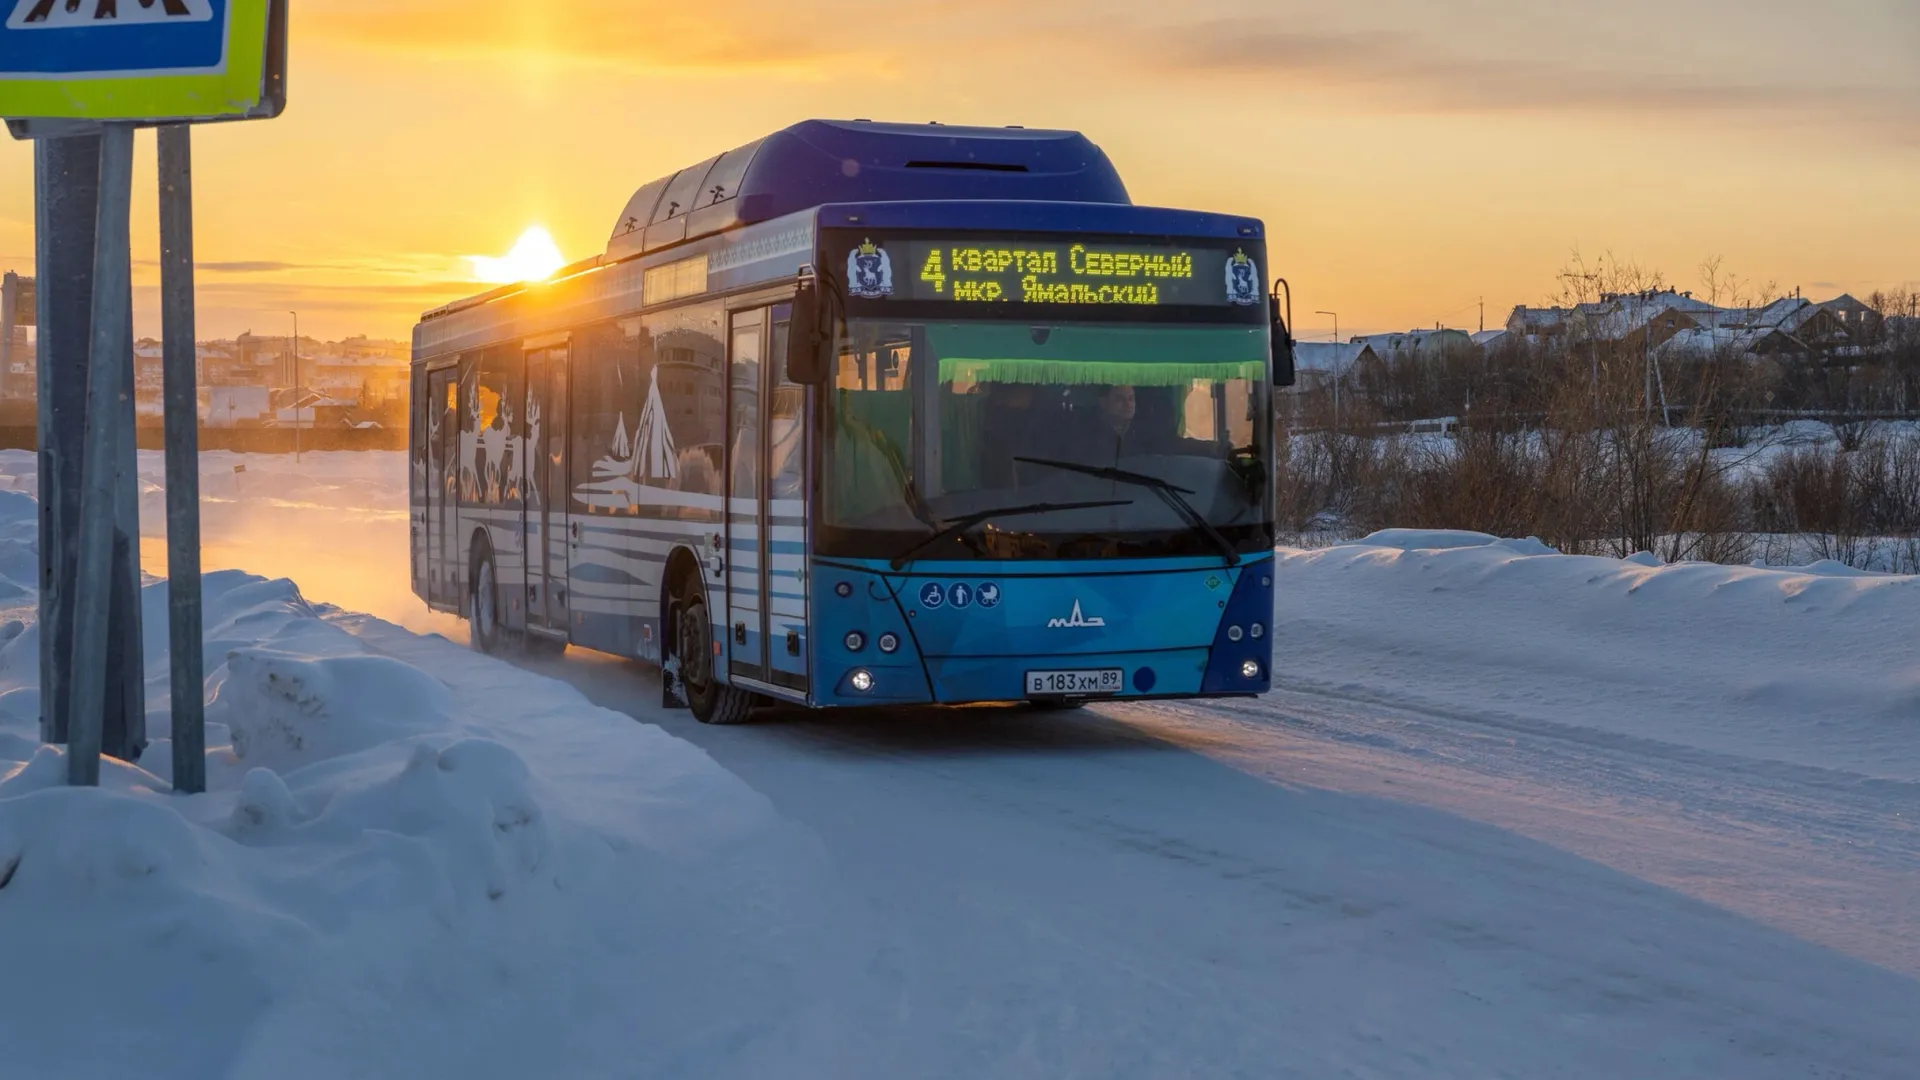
(535, 257)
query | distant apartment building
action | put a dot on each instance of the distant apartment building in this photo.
(18, 336)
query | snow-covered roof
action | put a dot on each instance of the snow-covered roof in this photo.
(1410, 340)
(1487, 339)
(1736, 340)
(1327, 355)
(1616, 318)
(1788, 313)
(1533, 320)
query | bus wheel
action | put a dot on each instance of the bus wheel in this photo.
(483, 610)
(711, 702)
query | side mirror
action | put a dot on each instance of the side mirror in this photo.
(806, 351)
(1283, 364)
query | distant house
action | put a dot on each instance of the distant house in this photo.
(1638, 321)
(1863, 324)
(1740, 341)
(1650, 320)
(1537, 325)
(369, 378)
(236, 406)
(1424, 343)
(1317, 363)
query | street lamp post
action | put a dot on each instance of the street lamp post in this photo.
(1336, 368)
(296, 384)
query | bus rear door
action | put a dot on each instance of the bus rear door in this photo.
(548, 491)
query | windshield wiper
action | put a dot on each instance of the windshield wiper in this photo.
(1173, 496)
(957, 526)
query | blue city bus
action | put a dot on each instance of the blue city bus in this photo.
(865, 414)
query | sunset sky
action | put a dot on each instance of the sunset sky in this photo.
(1409, 156)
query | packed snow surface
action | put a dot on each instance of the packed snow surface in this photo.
(1509, 814)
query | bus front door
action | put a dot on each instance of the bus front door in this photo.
(766, 505)
(547, 491)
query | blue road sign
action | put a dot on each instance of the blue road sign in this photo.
(142, 60)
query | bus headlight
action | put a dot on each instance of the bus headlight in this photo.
(856, 641)
(889, 643)
(1249, 669)
(861, 680)
(1234, 633)
(1259, 631)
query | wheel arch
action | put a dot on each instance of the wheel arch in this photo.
(682, 565)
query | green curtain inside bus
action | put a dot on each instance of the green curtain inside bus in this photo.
(1083, 356)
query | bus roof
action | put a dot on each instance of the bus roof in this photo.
(929, 176)
(816, 162)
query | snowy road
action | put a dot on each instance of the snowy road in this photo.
(1508, 816)
(1826, 856)
(1217, 891)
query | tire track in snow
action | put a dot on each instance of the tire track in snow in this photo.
(1827, 856)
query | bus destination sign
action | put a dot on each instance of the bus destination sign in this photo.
(1060, 271)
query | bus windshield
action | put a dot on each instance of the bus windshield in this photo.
(1075, 440)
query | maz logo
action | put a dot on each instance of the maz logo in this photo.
(1075, 620)
(55, 14)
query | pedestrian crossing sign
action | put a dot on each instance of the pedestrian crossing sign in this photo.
(142, 61)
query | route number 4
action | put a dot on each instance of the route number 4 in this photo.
(67, 14)
(934, 273)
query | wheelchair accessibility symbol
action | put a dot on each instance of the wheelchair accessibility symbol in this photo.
(932, 595)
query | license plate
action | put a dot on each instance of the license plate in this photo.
(1057, 683)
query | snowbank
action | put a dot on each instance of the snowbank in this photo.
(412, 861)
(1809, 667)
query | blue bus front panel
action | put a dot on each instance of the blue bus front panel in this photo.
(964, 632)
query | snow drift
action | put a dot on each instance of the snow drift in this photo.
(1809, 667)
(412, 860)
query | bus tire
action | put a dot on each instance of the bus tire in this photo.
(711, 702)
(484, 632)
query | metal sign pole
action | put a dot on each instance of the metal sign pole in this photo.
(66, 185)
(79, 80)
(107, 391)
(183, 460)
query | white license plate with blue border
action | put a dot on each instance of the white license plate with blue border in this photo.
(1074, 683)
